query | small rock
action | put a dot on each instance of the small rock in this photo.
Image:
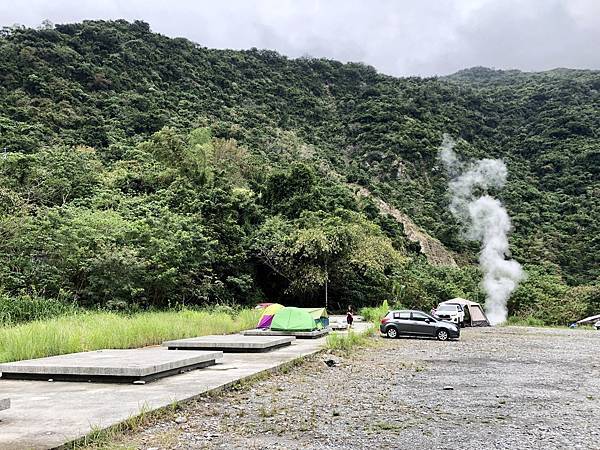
(180, 419)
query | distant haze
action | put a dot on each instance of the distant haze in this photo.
(398, 37)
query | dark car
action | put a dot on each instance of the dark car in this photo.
(417, 323)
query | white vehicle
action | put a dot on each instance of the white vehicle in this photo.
(451, 312)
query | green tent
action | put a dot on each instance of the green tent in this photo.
(320, 316)
(293, 319)
(316, 313)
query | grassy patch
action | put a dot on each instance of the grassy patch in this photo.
(102, 438)
(376, 313)
(389, 426)
(346, 342)
(25, 308)
(529, 321)
(98, 330)
(525, 321)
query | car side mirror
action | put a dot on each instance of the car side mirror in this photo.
(428, 320)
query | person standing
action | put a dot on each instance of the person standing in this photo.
(350, 316)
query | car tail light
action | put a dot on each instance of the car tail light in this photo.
(384, 320)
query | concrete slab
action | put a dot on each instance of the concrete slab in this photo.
(110, 365)
(297, 334)
(232, 343)
(4, 403)
(47, 415)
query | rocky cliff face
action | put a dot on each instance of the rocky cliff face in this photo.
(433, 249)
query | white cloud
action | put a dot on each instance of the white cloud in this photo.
(400, 37)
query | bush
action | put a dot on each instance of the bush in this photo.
(525, 321)
(25, 308)
(345, 342)
(376, 313)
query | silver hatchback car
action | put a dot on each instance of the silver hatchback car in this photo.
(417, 323)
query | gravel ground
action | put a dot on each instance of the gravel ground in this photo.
(501, 388)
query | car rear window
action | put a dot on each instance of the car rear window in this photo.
(419, 316)
(402, 315)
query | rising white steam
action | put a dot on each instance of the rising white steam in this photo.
(485, 220)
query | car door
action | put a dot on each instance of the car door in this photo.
(422, 324)
(402, 321)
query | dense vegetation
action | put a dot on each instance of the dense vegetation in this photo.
(88, 331)
(142, 171)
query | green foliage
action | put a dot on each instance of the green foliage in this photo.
(142, 171)
(98, 330)
(339, 249)
(346, 342)
(25, 308)
(374, 314)
(544, 296)
(525, 321)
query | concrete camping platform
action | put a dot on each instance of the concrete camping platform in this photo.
(4, 403)
(116, 366)
(297, 334)
(46, 415)
(231, 343)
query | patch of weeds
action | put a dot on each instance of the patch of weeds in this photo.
(100, 437)
(389, 426)
(310, 423)
(267, 412)
(347, 342)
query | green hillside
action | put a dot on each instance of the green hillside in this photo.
(140, 170)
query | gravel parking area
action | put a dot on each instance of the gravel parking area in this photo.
(501, 388)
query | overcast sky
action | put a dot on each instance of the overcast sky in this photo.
(401, 37)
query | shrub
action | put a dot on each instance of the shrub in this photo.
(25, 308)
(525, 321)
(376, 313)
(345, 342)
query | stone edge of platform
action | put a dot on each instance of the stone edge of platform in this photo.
(216, 390)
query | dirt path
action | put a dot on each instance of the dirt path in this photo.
(511, 388)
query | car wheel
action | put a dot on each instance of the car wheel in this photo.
(462, 324)
(442, 335)
(392, 333)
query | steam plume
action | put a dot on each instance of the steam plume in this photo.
(484, 220)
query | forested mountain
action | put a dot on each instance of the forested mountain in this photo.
(144, 170)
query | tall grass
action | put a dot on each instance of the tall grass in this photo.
(98, 330)
(346, 342)
(528, 321)
(25, 308)
(376, 313)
